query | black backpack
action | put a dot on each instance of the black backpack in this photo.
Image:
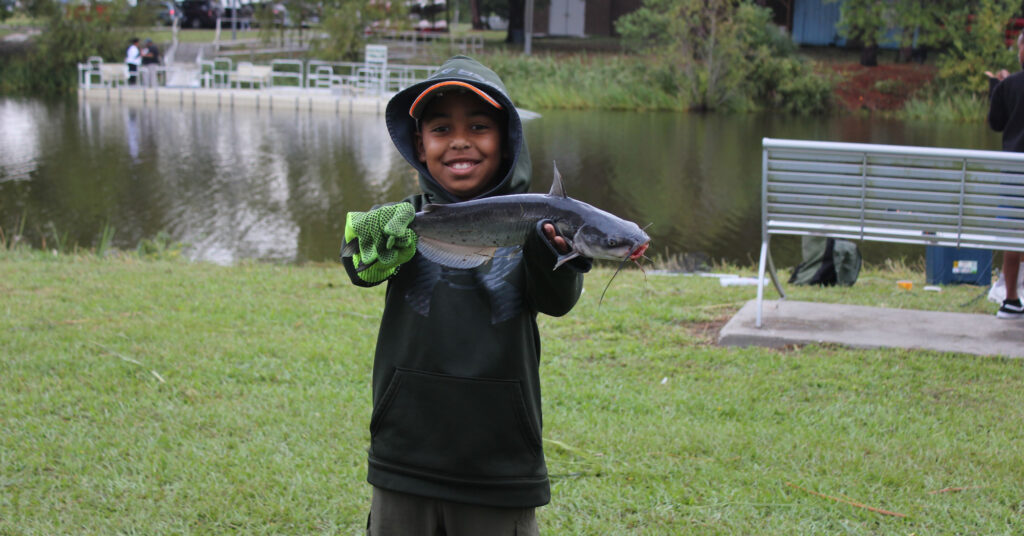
(827, 262)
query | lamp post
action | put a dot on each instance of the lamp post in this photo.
(234, 20)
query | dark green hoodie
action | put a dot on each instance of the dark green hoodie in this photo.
(456, 389)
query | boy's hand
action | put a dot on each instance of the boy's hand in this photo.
(562, 248)
(379, 241)
(556, 239)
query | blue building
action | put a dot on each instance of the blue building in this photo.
(814, 22)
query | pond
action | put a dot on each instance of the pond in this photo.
(275, 185)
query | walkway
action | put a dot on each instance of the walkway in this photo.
(295, 99)
(792, 322)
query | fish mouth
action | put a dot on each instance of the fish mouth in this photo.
(639, 251)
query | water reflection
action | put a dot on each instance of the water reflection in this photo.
(276, 185)
(230, 184)
(19, 139)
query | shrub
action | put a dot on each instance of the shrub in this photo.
(724, 56)
(47, 65)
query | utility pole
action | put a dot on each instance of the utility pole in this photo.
(528, 28)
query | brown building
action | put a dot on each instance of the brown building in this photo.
(581, 18)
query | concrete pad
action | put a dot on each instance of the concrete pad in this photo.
(793, 322)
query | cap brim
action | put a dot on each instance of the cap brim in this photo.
(418, 105)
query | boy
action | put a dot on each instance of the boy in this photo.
(456, 426)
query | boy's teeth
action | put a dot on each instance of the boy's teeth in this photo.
(461, 165)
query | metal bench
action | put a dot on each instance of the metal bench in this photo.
(254, 75)
(372, 76)
(113, 74)
(889, 193)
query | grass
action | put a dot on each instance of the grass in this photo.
(956, 107)
(161, 396)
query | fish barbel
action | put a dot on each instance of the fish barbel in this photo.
(467, 234)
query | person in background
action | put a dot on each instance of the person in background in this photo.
(1006, 115)
(133, 59)
(150, 61)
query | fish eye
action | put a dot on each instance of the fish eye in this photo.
(612, 243)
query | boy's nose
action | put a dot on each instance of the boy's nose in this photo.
(459, 143)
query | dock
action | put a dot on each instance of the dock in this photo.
(275, 98)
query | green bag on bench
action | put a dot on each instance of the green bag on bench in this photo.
(827, 262)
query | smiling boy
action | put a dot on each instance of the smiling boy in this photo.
(456, 427)
(459, 139)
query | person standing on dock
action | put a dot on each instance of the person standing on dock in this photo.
(133, 59)
(150, 63)
(1006, 115)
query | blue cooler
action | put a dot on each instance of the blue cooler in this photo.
(949, 265)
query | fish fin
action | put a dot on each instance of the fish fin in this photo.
(454, 255)
(429, 207)
(362, 266)
(562, 259)
(350, 248)
(557, 189)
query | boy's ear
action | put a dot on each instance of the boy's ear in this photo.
(420, 152)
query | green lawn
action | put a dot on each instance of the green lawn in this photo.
(166, 397)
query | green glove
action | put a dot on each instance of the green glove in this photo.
(380, 240)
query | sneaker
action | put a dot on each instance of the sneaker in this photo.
(1011, 309)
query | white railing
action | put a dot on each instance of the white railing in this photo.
(372, 77)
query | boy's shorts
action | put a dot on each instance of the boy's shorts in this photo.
(400, 514)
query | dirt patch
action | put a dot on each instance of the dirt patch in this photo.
(885, 87)
(707, 332)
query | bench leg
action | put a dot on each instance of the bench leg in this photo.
(760, 282)
(765, 262)
(775, 276)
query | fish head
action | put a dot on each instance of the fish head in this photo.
(611, 238)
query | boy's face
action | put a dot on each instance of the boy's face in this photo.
(460, 141)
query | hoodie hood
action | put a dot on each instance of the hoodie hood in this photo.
(402, 128)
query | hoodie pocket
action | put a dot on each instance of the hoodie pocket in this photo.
(460, 427)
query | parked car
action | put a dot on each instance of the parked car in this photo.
(201, 13)
(168, 12)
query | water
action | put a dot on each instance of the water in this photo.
(246, 184)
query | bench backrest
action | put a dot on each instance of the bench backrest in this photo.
(248, 70)
(892, 193)
(113, 71)
(376, 57)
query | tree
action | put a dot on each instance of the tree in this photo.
(865, 22)
(974, 40)
(475, 19)
(346, 22)
(723, 54)
(511, 10)
(700, 37)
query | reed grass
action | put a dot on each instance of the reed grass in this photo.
(585, 81)
(945, 107)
